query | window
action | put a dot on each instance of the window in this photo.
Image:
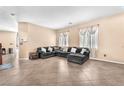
(89, 39)
(84, 37)
(94, 37)
(63, 39)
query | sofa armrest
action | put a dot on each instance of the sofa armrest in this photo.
(86, 53)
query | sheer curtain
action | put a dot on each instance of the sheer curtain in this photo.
(94, 40)
(60, 39)
(84, 38)
(89, 39)
(63, 39)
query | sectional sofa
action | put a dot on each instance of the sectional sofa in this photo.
(73, 54)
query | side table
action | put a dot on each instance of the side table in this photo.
(33, 55)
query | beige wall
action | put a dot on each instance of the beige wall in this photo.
(6, 38)
(35, 36)
(40, 36)
(111, 36)
(23, 34)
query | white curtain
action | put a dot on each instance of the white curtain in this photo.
(82, 37)
(85, 37)
(89, 39)
(94, 40)
(60, 39)
(94, 37)
(63, 39)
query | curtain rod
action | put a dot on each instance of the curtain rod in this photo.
(82, 27)
(89, 26)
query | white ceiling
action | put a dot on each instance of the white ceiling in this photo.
(54, 17)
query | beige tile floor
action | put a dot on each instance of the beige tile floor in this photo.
(57, 71)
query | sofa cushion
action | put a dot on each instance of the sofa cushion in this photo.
(82, 51)
(73, 50)
(43, 49)
(65, 49)
(53, 48)
(48, 53)
(39, 49)
(50, 49)
(77, 55)
(69, 49)
(46, 49)
(79, 49)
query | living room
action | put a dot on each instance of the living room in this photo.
(73, 42)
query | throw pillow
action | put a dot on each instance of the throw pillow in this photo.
(65, 49)
(73, 50)
(82, 51)
(43, 49)
(50, 49)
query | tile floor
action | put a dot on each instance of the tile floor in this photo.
(56, 71)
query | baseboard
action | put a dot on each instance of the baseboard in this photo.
(118, 62)
(23, 58)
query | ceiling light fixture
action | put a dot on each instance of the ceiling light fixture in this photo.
(12, 14)
(70, 23)
(69, 26)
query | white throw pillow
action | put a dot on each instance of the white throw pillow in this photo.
(43, 49)
(73, 50)
(50, 49)
(65, 49)
(82, 51)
